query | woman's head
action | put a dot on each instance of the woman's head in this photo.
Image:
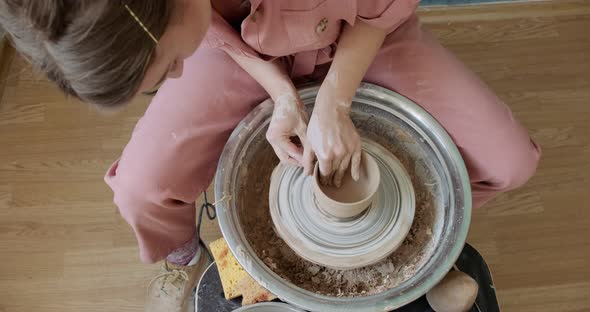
(102, 51)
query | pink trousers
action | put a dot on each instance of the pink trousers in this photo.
(172, 155)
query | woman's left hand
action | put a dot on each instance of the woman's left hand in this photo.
(333, 138)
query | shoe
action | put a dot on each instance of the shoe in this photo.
(172, 290)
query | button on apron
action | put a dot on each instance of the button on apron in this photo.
(322, 25)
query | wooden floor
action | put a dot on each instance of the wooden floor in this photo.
(64, 248)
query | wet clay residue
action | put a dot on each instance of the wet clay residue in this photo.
(390, 272)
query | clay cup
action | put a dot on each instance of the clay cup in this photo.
(352, 197)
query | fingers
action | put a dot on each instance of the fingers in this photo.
(308, 155)
(308, 161)
(355, 165)
(291, 150)
(292, 162)
(308, 158)
(334, 166)
(325, 165)
(284, 155)
(341, 170)
(285, 149)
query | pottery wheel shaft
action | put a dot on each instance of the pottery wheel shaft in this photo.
(343, 243)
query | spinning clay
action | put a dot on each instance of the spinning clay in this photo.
(367, 223)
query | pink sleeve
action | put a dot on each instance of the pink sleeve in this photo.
(222, 36)
(386, 14)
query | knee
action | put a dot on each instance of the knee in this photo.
(129, 192)
(148, 200)
(517, 166)
(143, 187)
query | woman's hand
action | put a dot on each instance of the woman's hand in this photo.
(331, 133)
(289, 119)
(333, 138)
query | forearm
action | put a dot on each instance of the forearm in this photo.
(289, 118)
(270, 75)
(357, 47)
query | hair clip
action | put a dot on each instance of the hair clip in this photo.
(140, 23)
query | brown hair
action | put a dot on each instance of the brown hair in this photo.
(93, 49)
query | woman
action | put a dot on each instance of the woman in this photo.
(212, 61)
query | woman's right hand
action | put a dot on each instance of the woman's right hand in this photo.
(333, 138)
(289, 119)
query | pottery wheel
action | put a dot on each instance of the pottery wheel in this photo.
(343, 243)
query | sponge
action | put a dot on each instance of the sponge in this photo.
(252, 292)
(234, 280)
(230, 271)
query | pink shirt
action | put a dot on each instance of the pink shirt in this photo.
(306, 29)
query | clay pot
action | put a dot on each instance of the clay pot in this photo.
(352, 197)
